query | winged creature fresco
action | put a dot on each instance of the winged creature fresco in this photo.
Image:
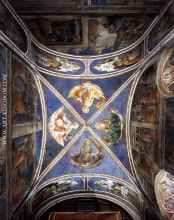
(113, 186)
(124, 60)
(60, 126)
(85, 94)
(91, 154)
(113, 126)
(57, 63)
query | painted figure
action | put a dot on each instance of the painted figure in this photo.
(85, 94)
(60, 126)
(115, 187)
(57, 63)
(63, 185)
(90, 155)
(168, 74)
(113, 126)
(119, 61)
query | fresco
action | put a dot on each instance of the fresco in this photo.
(57, 187)
(162, 28)
(115, 138)
(166, 72)
(169, 139)
(112, 33)
(25, 98)
(23, 166)
(116, 32)
(60, 65)
(60, 126)
(53, 32)
(113, 126)
(26, 129)
(10, 27)
(145, 136)
(113, 64)
(64, 165)
(87, 117)
(89, 36)
(55, 63)
(85, 94)
(106, 88)
(91, 154)
(115, 187)
(164, 190)
(69, 120)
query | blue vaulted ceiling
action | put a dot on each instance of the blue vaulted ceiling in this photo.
(88, 111)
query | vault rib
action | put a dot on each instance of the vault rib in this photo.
(109, 101)
(113, 156)
(63, 100)
(59, 156)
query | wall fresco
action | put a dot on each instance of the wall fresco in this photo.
(115, 32)
(169, 139)
(10, 27)
(55, 32)
(23, 166)
(86, 118)
(25, 100)
(145, 134)
(26, 129)
(89, 35)
(162, 28)
(164, 190)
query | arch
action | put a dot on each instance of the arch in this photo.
(122, 203)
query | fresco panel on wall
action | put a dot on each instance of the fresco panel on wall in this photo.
(10, 27)
(162, 28)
